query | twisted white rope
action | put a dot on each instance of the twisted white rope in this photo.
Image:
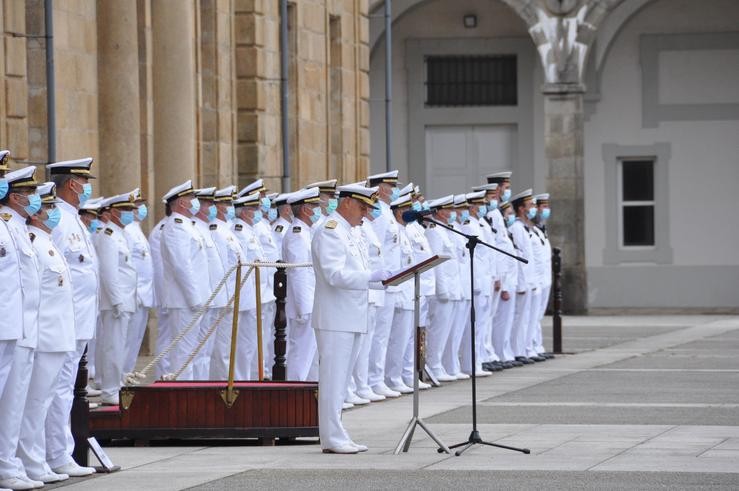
(134, 378)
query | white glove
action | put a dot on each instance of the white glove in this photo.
(379, 275)
(117, 310)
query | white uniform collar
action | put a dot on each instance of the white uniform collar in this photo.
(38, 231)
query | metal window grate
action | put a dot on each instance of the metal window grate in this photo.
(471, 80)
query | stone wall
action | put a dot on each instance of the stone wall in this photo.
(14, 80)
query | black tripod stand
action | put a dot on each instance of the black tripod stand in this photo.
(475, 438)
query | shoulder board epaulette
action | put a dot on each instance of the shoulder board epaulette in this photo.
(213, 226)
(331, 224)
(430, 225)
(178, 220)
(279, 228)
(238, 227)
(466, 222)
(32, 236)
(296, 230)
(161, 227)
(6, 216)
(108, 231)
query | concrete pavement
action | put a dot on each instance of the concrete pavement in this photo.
(645, 402)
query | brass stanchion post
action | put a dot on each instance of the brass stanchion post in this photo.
(229, 395)
(260, 353)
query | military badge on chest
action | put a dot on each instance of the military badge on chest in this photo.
(81, 258)
(3, 252)
(60, 282)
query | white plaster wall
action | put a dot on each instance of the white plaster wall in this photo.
(435, 19)
(704, 163)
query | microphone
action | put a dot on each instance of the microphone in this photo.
(415, 216)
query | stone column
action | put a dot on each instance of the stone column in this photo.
(118, 103)
(175, 96)
(564, 136)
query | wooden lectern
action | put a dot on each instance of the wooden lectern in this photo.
(398, 278)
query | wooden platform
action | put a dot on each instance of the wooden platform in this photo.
(181, 410)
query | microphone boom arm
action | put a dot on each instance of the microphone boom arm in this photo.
(474, 240)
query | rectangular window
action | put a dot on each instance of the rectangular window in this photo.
(637, 203)
(489, 80)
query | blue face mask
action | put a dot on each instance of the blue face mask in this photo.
(3, 187)
(272, 214)
(126, 217)
(482, 211)
(54, 216)
(86, 193)
(257, 217)
(426, 206)
(465, 215)
(376, 212)
(94, 225)
(143, 212)
(509, 220)
(452, 217)
(265, 204)
(493, 204)
(212, 212)
(34, 204)
(545, 213)
(395, 194)
(316, 214)
(333, 203)
(194, 206)
(531, 213)
(506, 195)
(230, 213)
(416, 206)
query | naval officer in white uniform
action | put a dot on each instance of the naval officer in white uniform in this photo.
(342, 282)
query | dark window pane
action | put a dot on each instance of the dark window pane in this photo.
(638, 180)
(638, 225)
(471, 80)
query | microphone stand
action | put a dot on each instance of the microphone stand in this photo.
(475, 438)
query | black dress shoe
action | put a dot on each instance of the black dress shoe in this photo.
(548, 355)
(516, 363)
(524, 360)
(507, 364)
(537, 358)
(495, 366)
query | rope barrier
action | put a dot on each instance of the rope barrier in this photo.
(134, 378)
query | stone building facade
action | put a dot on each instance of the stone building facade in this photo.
(159, 91)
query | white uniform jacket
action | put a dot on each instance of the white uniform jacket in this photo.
(229, 250)
(447, 273)
(463, 258)
(11, 307)
(489, 237)
(421, 251)
(539, 251)
(155, 238)
(76, 245)
(507, 266)
(30, 278)
(216, 271)
(527, 278)
(56, 331)
(117, 272)
(270, 253)
(373, 248)
(301, 282)
(141, 257)
(253, 251)
(483, 275)
(184, 265)
(342, 278)
(280, 228)
(406, 289)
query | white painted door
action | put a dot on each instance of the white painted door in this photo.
(458, 157)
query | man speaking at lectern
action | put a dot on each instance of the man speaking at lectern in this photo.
(340, 309)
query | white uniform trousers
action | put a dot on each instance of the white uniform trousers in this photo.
(361, 367)
(441, 318)
(502, 326)
(301, 348)
(201, 363)
(11, 410)
(246, 346)
(91, 348)
(111, 351)
(221, 353)
(488, 350)
(544, 301)
(164, 337)
(59, 441)
(337, 352)
(268, 337)
(31, 454)
(521, 323)
(533, 324)
(482, 323)
(134, 337)
(460, 324)
(400, 332)
(7, 349)
(380, 338)
(178, 320)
